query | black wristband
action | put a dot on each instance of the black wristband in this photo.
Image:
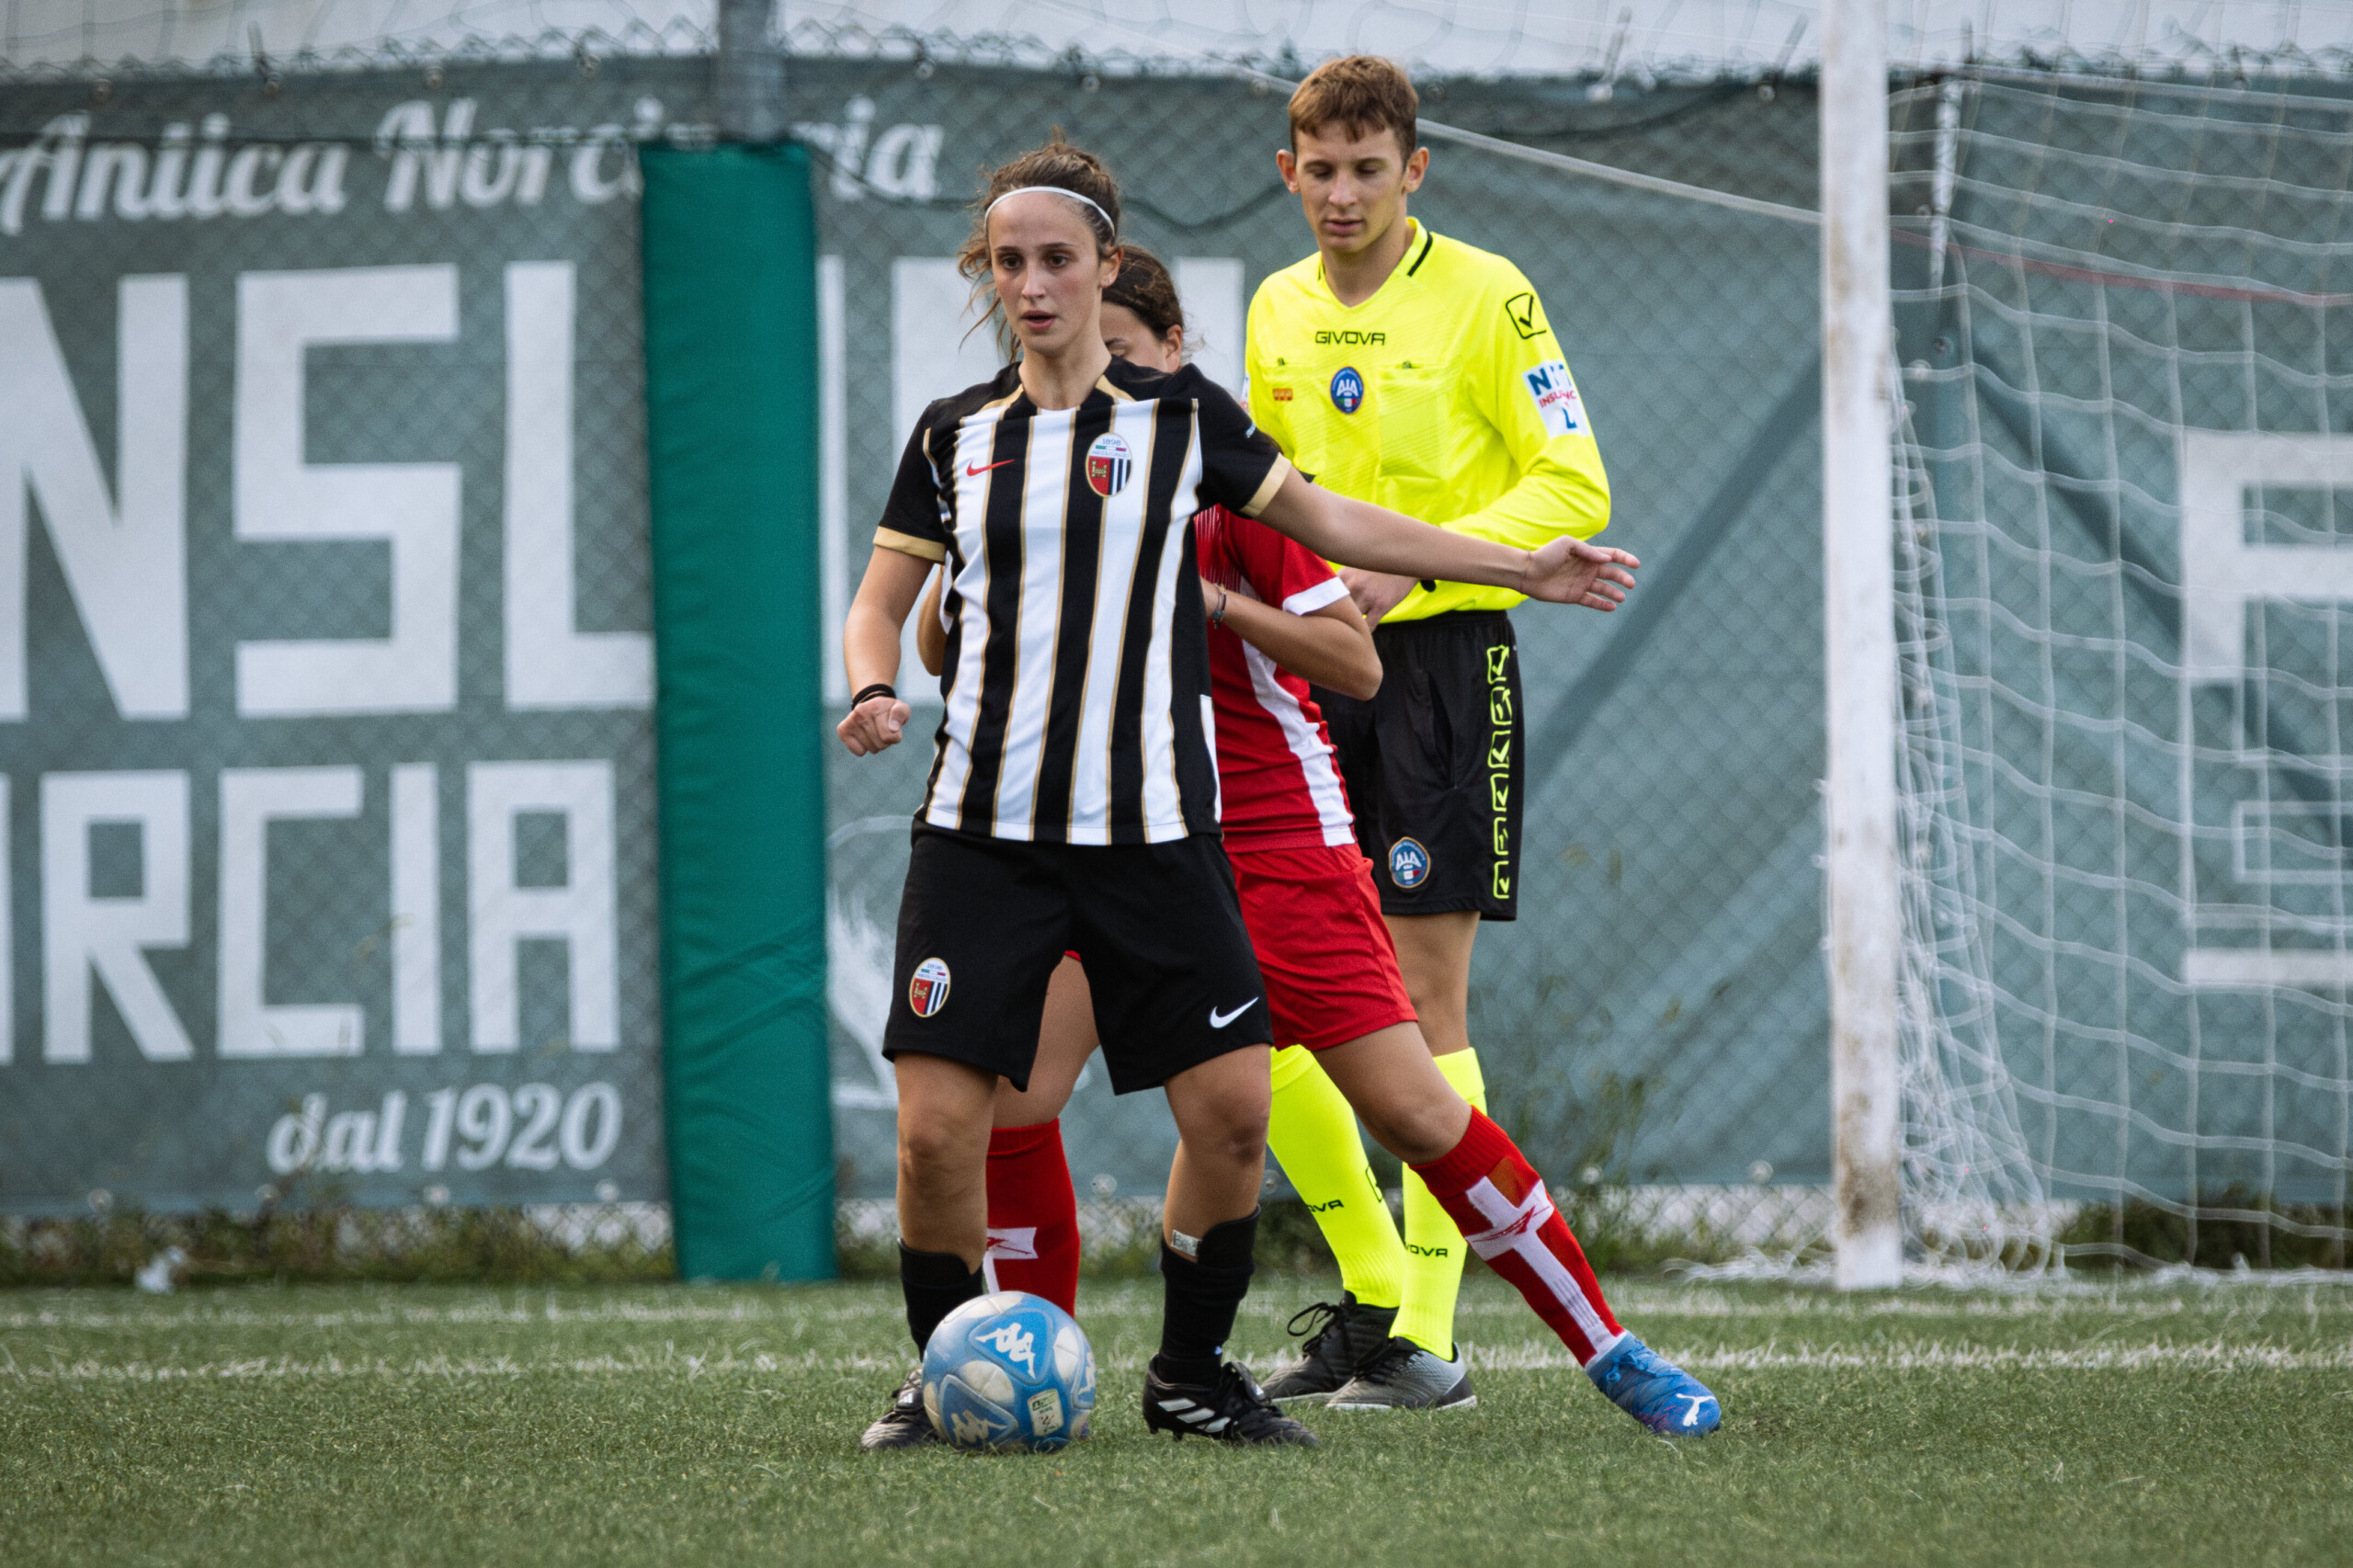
(879, 689)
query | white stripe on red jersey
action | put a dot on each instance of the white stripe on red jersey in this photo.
(1279, 780)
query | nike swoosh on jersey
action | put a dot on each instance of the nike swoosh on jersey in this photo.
(972, 471)
(1219, 1020)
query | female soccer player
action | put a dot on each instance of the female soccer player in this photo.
(1279, 619)
(1071, 798)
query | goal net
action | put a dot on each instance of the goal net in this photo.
(2125, 554)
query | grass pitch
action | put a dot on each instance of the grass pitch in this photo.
(2194, 1421)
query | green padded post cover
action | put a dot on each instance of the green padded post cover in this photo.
(731, 397)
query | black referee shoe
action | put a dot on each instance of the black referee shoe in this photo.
(1403, 1376)
(904, 1425)
(1339, 1339)
(1230, 1410)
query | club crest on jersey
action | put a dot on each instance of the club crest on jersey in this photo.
(1347, 390)
(1409, 863)
(1108, 462)
(928, 992)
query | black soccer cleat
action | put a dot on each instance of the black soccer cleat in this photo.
(1232, 1410)
(1338, 1340)
(905, 1425)
(1402, 1375)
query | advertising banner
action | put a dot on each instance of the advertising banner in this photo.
(326, 751)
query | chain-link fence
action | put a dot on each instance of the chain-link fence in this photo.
(311, 859)
(379, 926)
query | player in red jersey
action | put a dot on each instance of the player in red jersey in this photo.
(1278, 613)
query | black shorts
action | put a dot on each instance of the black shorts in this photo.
(1433, 765)
(984, 922)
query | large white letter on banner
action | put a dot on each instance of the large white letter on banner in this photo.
(125, 557)
(251, 799)
(280, 497)
(80, 932)
(416, 909)
(2223, 577)
(2222, 574)
(581, 912)
(549, 663)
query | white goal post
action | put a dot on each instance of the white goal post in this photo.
(1858, 624)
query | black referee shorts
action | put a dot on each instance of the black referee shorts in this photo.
(1433, 765)
(984, 922)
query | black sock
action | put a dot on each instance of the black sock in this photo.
(1203, 1293)
(936, 1283)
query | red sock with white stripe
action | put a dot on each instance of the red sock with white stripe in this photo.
(1033, 1215)
(1491, 1191)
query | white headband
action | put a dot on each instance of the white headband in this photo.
(1057, 190)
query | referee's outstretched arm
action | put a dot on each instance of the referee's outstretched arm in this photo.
(1358, 533)
(870, 649)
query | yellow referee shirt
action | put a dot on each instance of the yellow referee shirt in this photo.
(1445, 396)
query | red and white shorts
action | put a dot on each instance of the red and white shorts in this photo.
(1314, 918)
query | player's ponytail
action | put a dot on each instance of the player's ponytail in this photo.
(1144, 287)
(1057, 165)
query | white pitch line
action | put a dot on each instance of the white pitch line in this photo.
(2308, 1292)
(668, 1362)
(2213, 1356)
(784, 1310)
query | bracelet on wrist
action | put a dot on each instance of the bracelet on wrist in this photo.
(1217, 615)
(867, 693)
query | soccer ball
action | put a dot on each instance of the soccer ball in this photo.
(1009, 1371)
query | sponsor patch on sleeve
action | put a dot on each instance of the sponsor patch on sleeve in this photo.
(1555, 396)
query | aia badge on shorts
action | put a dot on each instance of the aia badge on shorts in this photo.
(1409, 865)
(928, 992)
(1108, 462)
(1347, 390)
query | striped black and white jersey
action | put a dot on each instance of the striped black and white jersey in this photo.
(1076, 678)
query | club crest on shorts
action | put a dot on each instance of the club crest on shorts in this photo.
(1108, 462)
(1409, 864)
(1347, 390)
(928, 992)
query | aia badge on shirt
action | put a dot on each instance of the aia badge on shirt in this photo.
(1409, 863)
(1555, 397)
(1347, 390)
(1108, 462)
(928, 992)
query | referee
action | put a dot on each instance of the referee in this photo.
(1073, 796)
(1404, 368)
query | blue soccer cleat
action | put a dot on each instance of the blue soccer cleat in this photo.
(1655, 1392)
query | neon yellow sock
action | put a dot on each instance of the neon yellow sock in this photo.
(1312, 1133)
(1433, 1249)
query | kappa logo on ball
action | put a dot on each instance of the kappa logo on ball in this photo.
(1108, 463)
(1014, 1343)
(1409, 863)
(1347, 390)
(928, 992)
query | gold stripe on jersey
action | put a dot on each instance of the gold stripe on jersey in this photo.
(907, 544)
(1266, 488)
(1444, 396)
